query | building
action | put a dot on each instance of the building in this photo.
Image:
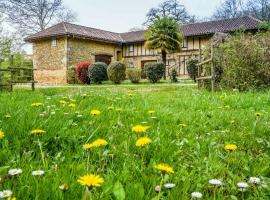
(64, 45)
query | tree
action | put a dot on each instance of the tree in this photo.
(259, 9)
(229, 9)
(169, 8)
(164, 34)
(31, 16)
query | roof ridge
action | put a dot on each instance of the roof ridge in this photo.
(64, 24)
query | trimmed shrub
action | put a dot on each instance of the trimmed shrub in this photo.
(134, 74)
(192, 68)
(117, 72)
(82, 72)
(174, 76)
(154, 71)
(71, 75)
(97, 72)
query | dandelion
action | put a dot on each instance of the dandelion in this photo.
(151, 112)
(230, 147)
(38, 131)
(165, 168)
(64, 187)
(62, 102)
(143, 141)
(95, 112)
(72, 105)
(88, 146)
(110, 108)
(197, 195)
(169, 185)
(38, 173)
(243, 186)
(130, 94)
(258, 114)
(2, 135)
(14, 172)
(140, 128)
(215, 182)
(95, 144)
(5, 194)
(73, 101)
(91, 180)
(254, 180)
(36, 104)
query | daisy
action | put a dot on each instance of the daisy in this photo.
(254, 180)
(64, 187)
(197, 195)
(215, 182)
(5, 194)
(169, 185)
(243, 186)
(38, 173)
(14, 172)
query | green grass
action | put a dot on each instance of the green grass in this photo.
(196, 152)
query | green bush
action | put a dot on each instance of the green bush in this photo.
(71, 75)
(154, 71)
(117, 72)
(192, 68)
(97, 72)
(134, 74)
(174, 76)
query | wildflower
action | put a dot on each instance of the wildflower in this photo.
(197, 195)
(2, 135)
(38, 131)
(96, 143)
(88, 146)
(165, 168)
(72, 105)
(119, 109)
(65, 97)
(243, 186)
(130, 94)
(5, 194)
(141, 142)
(64, 187)
(258, 114)
(91, 180)
(157, 188)
(140, 128)
(14, 172)
(73, 101)
(38, 173)
(36, 104)
(169, 185)
(95, 112)
(62, 102)
(151, 112)
(254, 180)
(215, 182)
(230, 147)
(110, 108)
(153, 117)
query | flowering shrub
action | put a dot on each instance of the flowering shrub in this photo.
(82, 72)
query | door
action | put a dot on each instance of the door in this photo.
(143, 62)
(103, 58)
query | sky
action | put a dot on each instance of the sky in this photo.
(122, 15)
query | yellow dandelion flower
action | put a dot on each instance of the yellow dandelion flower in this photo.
(38, 131)
(140, 128)
(165, 168)
(110, 108)
(99, 143)
(88, 146)
(109, 99)
(91, 180)
(151, 112)
(230, 147)
(95, 112)
(36, 104)
(141, 142)
(2, 135)
(64, 97)
(62, 102)
(258, 114)
(73, 101)
(72, 105)
(130, 94)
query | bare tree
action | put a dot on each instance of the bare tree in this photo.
(229, 9)
(30, 16)
(259, 9)
(169, 8)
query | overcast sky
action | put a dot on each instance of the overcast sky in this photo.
(122, 15)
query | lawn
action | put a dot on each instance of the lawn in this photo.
(188, 130)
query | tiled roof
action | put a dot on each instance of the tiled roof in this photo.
(196, 29)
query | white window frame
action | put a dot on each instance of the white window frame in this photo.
(54, 43)
(185, 43)
(131, 48)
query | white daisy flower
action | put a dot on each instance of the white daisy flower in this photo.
(254, 180)
(196, 195)
(14, 172)
(5, 194)
(169, 185)
(144, 122)
(38, 173)
(79, 116)
(215, 182)
(242, 185)
(153, 117)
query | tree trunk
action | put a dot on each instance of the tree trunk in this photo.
(164, 60)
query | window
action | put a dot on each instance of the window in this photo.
(185, 43)
(131, 48)
(54, 43)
